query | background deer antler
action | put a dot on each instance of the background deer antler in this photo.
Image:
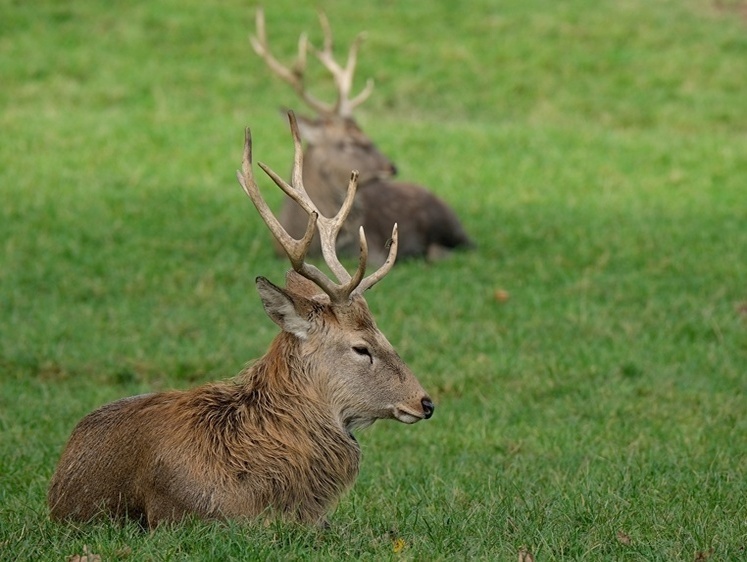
(343, 76)
(328, 228)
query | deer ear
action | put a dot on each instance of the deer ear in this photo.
(285, 310)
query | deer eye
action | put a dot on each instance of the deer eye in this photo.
(363, 351)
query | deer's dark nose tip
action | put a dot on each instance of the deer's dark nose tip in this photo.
(393, 170)
(428, 407)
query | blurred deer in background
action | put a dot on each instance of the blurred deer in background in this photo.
(277, 440)
(335, 144)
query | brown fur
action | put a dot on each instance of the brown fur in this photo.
(334, 147)
(275, 441)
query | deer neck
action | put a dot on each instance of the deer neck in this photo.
(302, 393)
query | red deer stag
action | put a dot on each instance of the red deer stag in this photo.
(335, 144)
(277, 440)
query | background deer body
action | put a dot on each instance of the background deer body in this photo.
(275, 441)
(335, 144)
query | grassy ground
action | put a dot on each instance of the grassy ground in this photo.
(595, 151)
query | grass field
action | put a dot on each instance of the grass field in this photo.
(588, 360)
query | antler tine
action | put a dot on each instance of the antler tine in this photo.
(343, 77)
(379, 274)
(328, 228)
(293, 76)
(296, 249)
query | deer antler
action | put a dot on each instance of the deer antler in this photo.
(346, 285)
(343, 76)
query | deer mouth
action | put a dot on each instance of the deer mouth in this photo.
(408, 416)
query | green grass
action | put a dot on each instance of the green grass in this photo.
(597, 153)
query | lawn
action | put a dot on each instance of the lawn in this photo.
(588, 360)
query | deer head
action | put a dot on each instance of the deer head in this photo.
(366, 376)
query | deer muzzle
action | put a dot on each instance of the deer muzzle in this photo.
(406, 414)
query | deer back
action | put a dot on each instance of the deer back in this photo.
(428, 227)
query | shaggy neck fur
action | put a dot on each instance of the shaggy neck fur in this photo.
(276, 423)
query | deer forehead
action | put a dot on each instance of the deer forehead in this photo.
(355, 312)
(352, 317)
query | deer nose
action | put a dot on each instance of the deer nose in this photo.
(393, 170)
(428, 407)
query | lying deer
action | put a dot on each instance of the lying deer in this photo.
(428, 227)
(276, 441)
